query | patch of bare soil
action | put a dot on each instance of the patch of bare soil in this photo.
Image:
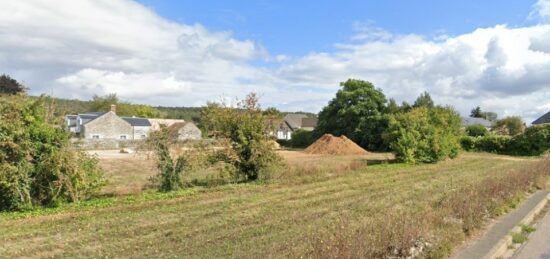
(331, 145)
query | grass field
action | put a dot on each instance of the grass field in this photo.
(291, 216)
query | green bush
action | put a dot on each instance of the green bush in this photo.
(245, 131)
(533, 142)
(302, 138)
(424, 135)
(476, 130)
(36, 163)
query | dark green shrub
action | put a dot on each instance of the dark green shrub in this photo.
(493, 144)
(424, 135)
(468, 143)
(302, 138)
(37, 166)
(534, 141)
(476, 130)
(169, 169)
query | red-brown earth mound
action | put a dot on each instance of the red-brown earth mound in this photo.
(331, 145)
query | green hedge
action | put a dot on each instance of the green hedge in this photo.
(533, 142)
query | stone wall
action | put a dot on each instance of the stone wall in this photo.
(189, 132)
(107, 144)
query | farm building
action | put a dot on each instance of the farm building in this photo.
(293, 122)
(543, 119)
(185, 131)
(107, 125)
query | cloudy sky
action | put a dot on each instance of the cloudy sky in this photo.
(495, 54)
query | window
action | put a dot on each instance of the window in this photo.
(123, 137)
(95, 136)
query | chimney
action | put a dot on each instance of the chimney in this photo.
(113, 108)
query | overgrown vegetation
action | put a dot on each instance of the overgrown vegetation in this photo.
(533, 142)
(244, 131)
(424, 135)
(37, 165)
(476, 130)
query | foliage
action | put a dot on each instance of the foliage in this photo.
(512, 126)
(245, 132)
(424, 100)
(478, 113)
(359, 112)
(103, 103)
(169, 169)
(10, 86)
(37, 165)
(534, 141)
(424, 135)
(476, 130)
(302, 138)
(181, 113)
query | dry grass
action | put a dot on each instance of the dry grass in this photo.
(330, 202)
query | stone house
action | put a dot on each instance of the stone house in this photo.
(185, 131)
(292, 122)
(108, 125)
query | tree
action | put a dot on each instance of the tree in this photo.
(37, 165)
(244, 131)
(170, 169)
(512, 125)
(476, 112)
(424, 135)
(359, 112)
(103, 103)
(10, 86)
(424, 100)
(476, 130)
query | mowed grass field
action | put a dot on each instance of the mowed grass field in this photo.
(281, 218)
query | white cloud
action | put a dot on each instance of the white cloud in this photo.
(541, 9)
(494, 67)
(81, 48)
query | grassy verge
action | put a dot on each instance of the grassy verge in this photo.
(392, 208)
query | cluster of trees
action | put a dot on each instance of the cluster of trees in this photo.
(242, 131)
(10, 86)
(37, 165)
(422, 132)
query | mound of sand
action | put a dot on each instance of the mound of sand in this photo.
(331, 145)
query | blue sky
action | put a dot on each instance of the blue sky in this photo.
(294, 54)
(299, 27)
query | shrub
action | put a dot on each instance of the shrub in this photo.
(493, 144)
(245, 132)
(424, 135)
(302, 138)
(534, 141)
(476, 130)
(169, 171)
(37, 165)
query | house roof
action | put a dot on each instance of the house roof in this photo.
(309, 122)
(543, 119)
(139, 122)
(89, 116)
(294, 120)
(468, 121)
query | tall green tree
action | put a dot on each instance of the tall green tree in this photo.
(358, 111)
(10, 86)
(424, 100)
(476, 112)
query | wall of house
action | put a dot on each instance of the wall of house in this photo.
(141, 132)
(107, 126)
(189, 132)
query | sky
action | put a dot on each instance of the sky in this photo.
(495, 54)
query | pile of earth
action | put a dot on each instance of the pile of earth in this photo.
(331, 145)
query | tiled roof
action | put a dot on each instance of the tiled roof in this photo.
(468, 121)
(137, 121)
